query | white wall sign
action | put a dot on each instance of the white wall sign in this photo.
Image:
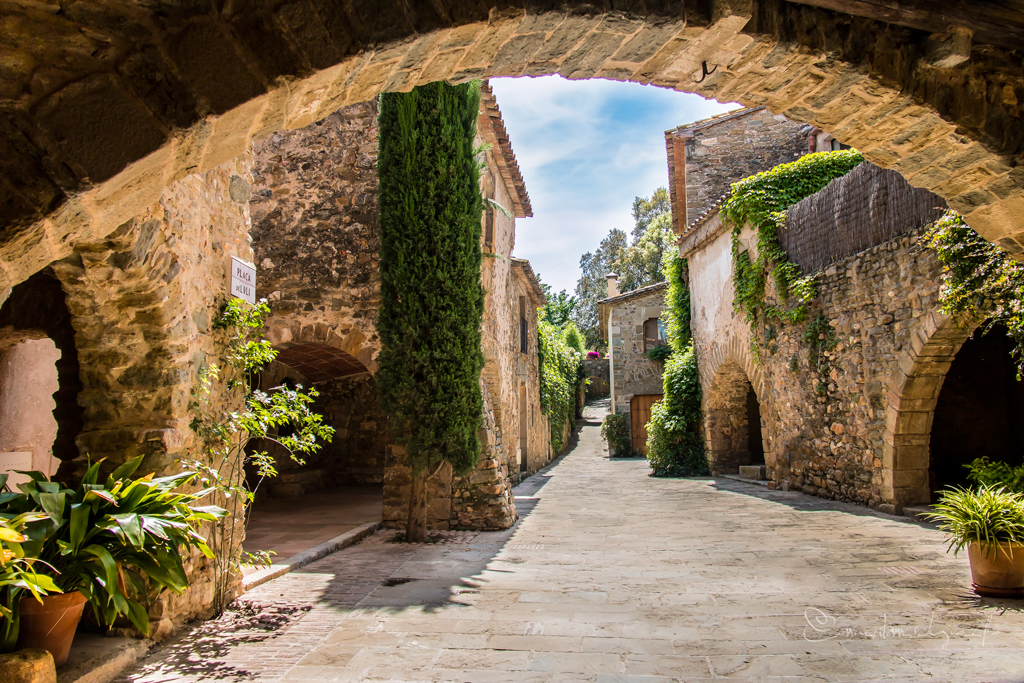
(243, 280)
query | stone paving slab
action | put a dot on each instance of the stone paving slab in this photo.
(613, 576)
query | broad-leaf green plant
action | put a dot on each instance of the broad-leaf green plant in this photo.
(985, 472)
(18, 572)
(118, 541)
(236, 419)
(990, 516)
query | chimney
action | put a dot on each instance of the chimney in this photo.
(613, 284)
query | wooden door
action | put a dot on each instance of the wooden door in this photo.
(640, 415)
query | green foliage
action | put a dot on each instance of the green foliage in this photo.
(593, 285)
(675, 446)
(984, 472)
(641, 264)
(989, 516)
(638, 264)
(117, 541)
(573, 339)
(761, 200)
(226, 435)
(615, 431)
(18, 571)
(647, 209)
(981, 283)
(819, 337)
(659, 353)
(431, 297)
(676, 313)
(559, 309)
(560, 367)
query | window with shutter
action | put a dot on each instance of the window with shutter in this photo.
(654, 333)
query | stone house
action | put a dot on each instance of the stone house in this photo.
(631, 325)
(316, 244)
(892, 402)
(707, 156)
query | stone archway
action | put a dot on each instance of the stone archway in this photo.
(910, 408)
(731, 440)
(91, 144)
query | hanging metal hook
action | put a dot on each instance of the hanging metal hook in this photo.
(704, 71)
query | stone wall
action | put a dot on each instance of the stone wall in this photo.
(316, 244)
(315, 236)
(724, 149)
(597, 373)
(635, 373)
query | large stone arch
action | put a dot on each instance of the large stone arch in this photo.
(910, 407)
(141, 97)
(726, 372)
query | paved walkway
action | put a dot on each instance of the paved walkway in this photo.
(613, 576)
(288, 525)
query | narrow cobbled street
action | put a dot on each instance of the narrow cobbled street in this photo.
(613, 576)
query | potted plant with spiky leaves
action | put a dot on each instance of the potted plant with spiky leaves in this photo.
(989, 522)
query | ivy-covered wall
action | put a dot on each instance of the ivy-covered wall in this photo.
(846, 392)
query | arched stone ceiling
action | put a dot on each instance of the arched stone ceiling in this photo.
(103, 103)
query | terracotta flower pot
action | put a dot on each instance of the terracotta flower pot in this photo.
(51, 625)
(999, 574)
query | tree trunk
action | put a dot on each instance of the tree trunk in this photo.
(416, 529)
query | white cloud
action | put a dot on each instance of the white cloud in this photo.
(586, 149)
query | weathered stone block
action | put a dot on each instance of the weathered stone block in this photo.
(27, 666)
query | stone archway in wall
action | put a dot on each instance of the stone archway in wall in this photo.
(737, 418)
(910, 409)
(91, 145)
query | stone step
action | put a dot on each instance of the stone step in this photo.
(758, 472)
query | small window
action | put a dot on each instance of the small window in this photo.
(524, 327)
(836, 145)
(489, 228)
(654, 333)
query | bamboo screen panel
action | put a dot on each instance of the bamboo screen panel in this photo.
(864, 208)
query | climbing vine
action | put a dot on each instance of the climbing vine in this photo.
(674, 444)
(559, 374)
(981, 283)
(761, 200)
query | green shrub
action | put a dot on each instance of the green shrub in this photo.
(431, 299)
(560, 368)
(659, 353)
(615, 430)
(984, 472)
(675, 446)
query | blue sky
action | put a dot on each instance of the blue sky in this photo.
(586, 149)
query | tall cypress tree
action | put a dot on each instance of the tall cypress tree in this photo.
(431, 296)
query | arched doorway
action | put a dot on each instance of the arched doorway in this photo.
(979, 411)
(40, 418)
(340, 486)
(733, 422)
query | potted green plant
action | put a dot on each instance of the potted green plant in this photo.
(989, 522)
(111, 544)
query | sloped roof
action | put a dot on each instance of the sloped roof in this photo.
(496, 135)
(523, 266)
